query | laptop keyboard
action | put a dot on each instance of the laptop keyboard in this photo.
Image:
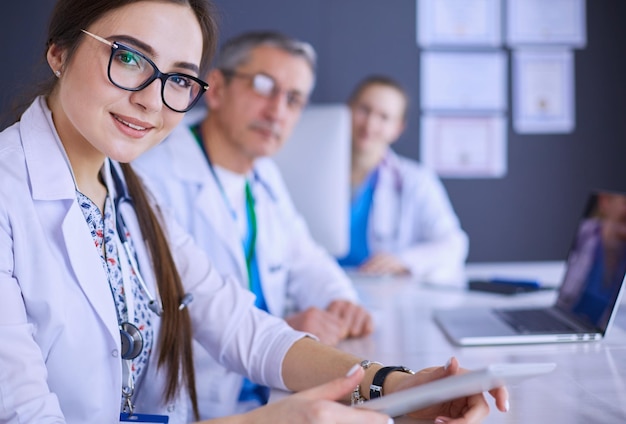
(527, 321)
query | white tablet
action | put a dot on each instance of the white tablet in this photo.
(418, 397)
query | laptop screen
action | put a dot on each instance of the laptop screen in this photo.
(597, 261)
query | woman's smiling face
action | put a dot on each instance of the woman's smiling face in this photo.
(98, 119)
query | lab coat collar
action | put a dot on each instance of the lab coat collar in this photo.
(390, 161)
(389, 171)
(385, 214)
(48, 166)
(189, 157)
(51, 179)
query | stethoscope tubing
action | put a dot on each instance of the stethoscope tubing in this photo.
(121, 197)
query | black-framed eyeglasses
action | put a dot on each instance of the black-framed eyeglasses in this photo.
(131, 70)
(266, 86)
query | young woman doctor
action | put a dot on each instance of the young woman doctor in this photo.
(401, 220)
(99, 295)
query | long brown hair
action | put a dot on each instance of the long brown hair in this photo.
(175, 337)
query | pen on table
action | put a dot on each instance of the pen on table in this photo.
(517, 282)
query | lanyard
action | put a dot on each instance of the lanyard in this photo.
(249, 242)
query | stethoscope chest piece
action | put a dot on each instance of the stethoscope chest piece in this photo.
(132, 341)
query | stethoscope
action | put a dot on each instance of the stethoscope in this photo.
(265, 185)
(397, 178)
(121, 197)
(249, 242)
(132, 341)
(256, 178)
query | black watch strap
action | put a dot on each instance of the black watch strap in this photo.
(376, 388)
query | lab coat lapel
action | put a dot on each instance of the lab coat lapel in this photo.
(87, 266)
(209, 200)
(53, 185)
(215, 211)
(386, 203)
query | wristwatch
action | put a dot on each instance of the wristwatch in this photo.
(356, 398)
(376, 388)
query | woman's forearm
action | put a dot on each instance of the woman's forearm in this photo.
(309, 363)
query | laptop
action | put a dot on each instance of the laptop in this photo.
(588, 296)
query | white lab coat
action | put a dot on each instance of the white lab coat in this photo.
(412, 218)
(59, 355)
(295, 272)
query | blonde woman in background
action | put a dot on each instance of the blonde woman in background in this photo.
(401, 222)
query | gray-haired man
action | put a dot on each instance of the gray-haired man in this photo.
(225, 191)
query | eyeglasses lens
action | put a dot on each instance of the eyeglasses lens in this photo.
(132, 71)
(263, 85)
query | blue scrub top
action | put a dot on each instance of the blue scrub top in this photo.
(360, 208)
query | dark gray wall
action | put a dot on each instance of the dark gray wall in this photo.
(528, 215)
(23, 27)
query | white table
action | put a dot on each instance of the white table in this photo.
(588, 386)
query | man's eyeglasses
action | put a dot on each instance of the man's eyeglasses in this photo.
(131, 70)
(266, 86)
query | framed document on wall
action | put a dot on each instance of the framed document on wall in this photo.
(543, 91)
(463, 81)
(553, 22)
(459, 23)
(464, 146)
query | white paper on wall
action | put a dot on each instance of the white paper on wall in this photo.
(465, 81)
(552, 22)
(464, 146)
(543, 91)
(459, 23)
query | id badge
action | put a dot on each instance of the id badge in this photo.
(143, 418)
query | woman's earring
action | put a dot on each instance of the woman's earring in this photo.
(57, 73)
